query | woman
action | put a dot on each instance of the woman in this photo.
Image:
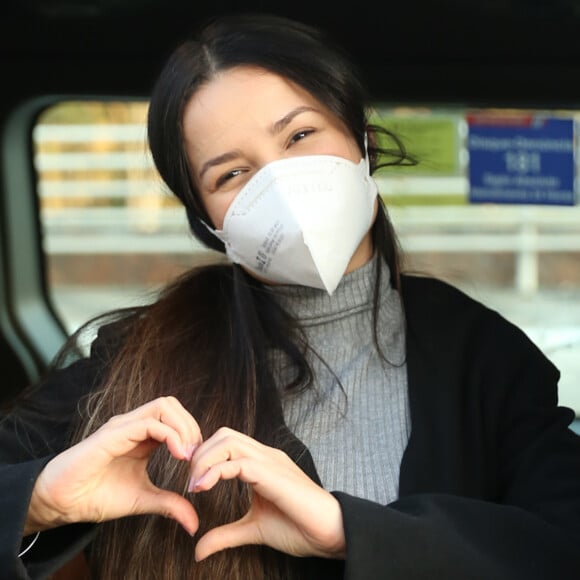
(304, 409)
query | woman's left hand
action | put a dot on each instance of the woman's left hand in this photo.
(289, 512)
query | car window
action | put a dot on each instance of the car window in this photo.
(112, 234)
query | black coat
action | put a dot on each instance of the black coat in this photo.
(489, 482)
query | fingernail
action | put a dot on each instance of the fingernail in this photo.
(191, 450)
(194, 483)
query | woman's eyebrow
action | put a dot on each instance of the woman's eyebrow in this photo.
(276, 128)
(223, 158)
(286, 119)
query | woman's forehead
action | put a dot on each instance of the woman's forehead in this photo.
(241, 103)
(245, 91)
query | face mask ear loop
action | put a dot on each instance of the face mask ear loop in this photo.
(367, 159)
(217, 233)
(208, 227)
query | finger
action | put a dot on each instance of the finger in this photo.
(231, 469)
(186, 424)
(170, 505)
(226, 445)
(240, 533)
(117, 439)
(169, 410)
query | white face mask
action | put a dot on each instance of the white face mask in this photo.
(300, 220)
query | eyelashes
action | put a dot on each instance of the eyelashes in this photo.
(233, 176)
(299, 135)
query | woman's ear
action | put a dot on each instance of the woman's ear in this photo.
(370, 143)
(370, 137)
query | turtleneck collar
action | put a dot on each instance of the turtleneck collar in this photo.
(354, 293)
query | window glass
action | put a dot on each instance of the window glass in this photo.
(113, 235)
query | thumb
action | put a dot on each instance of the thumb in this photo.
(239, 533)
(170, 505)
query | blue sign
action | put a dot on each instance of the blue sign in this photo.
(522, 160)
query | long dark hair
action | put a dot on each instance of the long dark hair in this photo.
(216, 324)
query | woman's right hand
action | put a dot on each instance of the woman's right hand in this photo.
(105, 476)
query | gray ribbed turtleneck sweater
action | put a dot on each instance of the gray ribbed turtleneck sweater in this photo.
(357, 435)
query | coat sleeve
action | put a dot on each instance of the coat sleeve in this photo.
(517, 516)
(456, 538)
(36, 429)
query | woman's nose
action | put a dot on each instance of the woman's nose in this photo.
(267, 154)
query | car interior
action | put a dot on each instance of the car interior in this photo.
(85, 224)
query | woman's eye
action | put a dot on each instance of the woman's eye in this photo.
(228, 176)
(300, 135)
